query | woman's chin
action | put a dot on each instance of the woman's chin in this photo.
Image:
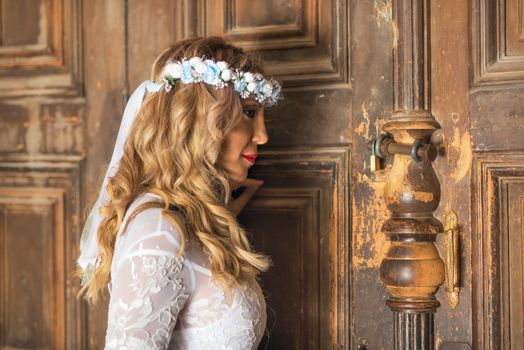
(235, 182)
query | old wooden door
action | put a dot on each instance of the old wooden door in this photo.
(351, 70)
(301, 215)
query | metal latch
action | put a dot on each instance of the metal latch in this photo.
(451, 260)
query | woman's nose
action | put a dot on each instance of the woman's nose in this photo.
(260, 133)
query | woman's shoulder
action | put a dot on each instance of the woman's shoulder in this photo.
(150, 218)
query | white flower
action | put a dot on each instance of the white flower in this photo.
(219, 74)
(198, 65)
(225, 75)
(222, 65)
(174, 70)
(248, 77)
(251, 86)
(194, 61)
(267, 88)
(200, 68)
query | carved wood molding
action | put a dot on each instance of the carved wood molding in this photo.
(39, 127)
(300, 206)
(20, 281)
(311, 185)
(307, 43)
(49, 63)
(497, 243)
(497, 49)
(40, 202)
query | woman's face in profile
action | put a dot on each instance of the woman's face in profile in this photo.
(243, 141)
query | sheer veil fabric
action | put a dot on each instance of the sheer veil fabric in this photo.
(88, 242)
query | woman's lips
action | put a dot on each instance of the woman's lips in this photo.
(250, 158)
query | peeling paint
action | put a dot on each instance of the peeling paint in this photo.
(423, 196)
(363, 128)
(461, 145)
(394, 28)
(371, 244)
(382, 12)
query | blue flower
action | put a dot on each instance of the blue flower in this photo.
(259, 87)
(186, 76)
(212, 74)
(240, 85)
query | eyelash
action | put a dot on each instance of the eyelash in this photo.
(248, 111)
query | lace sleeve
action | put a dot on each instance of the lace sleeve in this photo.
(149, 287)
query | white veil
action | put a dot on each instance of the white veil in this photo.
(88, 242)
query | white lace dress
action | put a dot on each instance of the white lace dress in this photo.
(161, 301)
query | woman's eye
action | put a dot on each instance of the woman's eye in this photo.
(250, 112)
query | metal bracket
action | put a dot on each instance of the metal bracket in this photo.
(451, 260)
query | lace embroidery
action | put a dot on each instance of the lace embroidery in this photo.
(129, 320)
(161, 301)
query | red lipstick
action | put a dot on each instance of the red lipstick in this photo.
(250, 158)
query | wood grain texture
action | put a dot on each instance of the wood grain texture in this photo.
(450, 57)
(41, 150)
(300, 218)
(106, 93)
(372, 99)
(496, 43)
(48, 49)
(32, 236)
(497, 116)
(497, 251)
(40, 231)
(302, 42)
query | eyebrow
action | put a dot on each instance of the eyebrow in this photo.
(251, 103)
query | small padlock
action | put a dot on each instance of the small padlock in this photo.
(374, 161)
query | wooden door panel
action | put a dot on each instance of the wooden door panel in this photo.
(304, 42)
(42, 120)
(498, 251)
(39, 231)
(32, 236)
(299, 218)
(496, 42)
(497, 119)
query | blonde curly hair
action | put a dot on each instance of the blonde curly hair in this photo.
(172, 150)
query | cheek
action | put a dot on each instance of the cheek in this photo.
(236, 142)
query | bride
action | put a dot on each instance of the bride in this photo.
(163, 235)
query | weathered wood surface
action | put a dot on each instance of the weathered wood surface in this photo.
(66, 69)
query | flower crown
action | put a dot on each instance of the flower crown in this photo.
(219, 74)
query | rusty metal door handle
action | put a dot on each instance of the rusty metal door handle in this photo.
(384, 145)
